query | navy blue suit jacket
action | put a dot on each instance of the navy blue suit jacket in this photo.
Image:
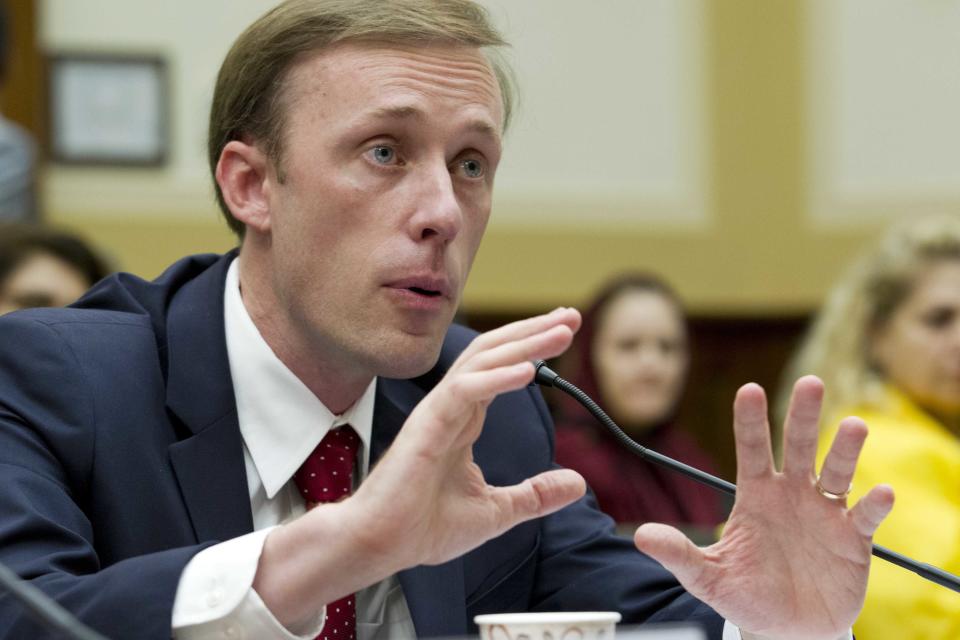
(121, 458)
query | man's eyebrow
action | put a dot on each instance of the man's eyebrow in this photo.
(396, 113)
(407, 112)
(485, 128)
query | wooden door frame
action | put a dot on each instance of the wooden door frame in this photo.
(22, 98)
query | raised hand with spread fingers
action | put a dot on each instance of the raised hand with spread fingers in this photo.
(793, 559)
(425, 501)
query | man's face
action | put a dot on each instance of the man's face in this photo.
(388, 165)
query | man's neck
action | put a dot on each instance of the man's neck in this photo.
(336, 384)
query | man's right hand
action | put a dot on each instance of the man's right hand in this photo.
(426, 501)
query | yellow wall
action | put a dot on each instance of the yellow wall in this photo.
(757, 253)
(760, 253)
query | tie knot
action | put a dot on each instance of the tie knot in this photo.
(327, 473)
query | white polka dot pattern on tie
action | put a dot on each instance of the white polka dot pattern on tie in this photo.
(321, 480)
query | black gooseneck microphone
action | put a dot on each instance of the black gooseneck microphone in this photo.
(45, 609)
(546, 377)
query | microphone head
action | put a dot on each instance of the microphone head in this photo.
(545, 376)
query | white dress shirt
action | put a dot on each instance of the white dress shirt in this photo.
(281, 422)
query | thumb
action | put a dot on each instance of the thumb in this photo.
(673, 550)
(537, 496)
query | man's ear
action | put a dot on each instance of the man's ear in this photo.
(242, 173)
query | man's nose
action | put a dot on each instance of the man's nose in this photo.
(438, 214)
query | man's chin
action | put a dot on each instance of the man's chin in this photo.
(410, 356)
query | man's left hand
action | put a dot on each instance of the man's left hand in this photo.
(792, 562)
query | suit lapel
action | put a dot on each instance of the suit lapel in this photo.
(435, 594)
(210, 470)
(209, 462)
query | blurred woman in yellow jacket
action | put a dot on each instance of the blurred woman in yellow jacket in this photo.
(887, 345)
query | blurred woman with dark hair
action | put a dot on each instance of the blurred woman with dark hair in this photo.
(40, 267)
(631, 355)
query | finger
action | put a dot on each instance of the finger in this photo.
(458, 390)
(538, 496)
(841, 461)
(539, 346)
(673, 550)
(521, 329)
(453, 411)
(752, 433)
(872, 508)
(801, 428)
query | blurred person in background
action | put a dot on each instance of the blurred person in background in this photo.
(632, 356)
(887, 346)
(17, 150)
(42, 267)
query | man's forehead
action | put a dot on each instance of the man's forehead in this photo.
(386, 79)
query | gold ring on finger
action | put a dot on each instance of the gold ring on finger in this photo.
(830, 495)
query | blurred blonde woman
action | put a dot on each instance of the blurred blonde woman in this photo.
(887, 345)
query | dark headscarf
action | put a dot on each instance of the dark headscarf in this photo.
(582, 372)
(628, 488)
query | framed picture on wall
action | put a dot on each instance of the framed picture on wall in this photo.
(108, 109)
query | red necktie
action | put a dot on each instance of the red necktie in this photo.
(327, 476)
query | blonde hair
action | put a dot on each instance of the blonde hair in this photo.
(837, 347)
(248, 99)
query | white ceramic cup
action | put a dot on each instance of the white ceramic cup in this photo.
(566, 625)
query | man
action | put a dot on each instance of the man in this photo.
(149, 437)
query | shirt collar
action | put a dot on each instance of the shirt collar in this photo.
(281, 420)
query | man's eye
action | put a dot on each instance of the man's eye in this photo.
(472, 168)
(383, 155)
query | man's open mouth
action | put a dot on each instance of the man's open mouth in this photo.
(425, 292)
